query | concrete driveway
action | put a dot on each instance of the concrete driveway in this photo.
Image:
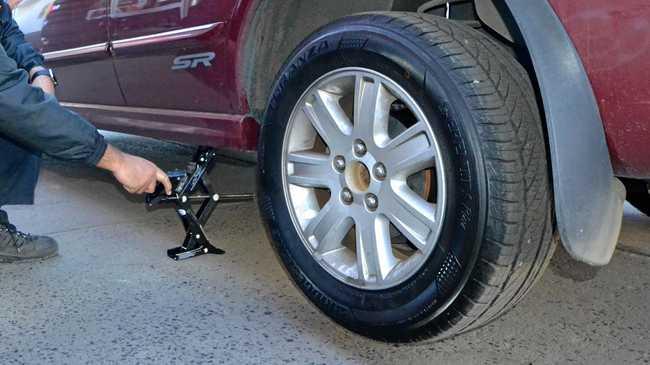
(114, 297)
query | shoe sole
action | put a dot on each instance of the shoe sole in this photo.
(17, 260)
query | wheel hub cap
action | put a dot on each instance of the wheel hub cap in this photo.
(357, 177)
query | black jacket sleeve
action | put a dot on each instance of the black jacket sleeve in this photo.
(32, 118)
(13, 40)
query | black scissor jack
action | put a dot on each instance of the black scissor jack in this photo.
(191, 188)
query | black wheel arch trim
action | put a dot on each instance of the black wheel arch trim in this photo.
(588, 197)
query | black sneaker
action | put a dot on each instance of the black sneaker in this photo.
(18, 246)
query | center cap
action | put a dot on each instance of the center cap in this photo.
(358, 177)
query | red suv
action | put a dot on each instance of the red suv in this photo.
(418, 160)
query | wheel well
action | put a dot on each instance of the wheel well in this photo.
(276, 28)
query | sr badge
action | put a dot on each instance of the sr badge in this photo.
(192, 61)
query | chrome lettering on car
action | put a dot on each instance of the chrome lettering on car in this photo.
(192, 61)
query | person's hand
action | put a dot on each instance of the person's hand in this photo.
(45, 83)
(137, 175)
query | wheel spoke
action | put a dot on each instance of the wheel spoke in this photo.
(328, 118)
(410, 152)
(328, 228)
(375, 258)
(372, 109)
(413, 216)
(309, 169)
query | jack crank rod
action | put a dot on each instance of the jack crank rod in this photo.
(221, 198)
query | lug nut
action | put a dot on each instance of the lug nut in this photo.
(379, 171)
(339, 163)
(346, 196)
(372, 202)
(360, 148)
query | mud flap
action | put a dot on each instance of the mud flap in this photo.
(588, 198)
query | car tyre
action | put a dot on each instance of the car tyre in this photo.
(492, 234)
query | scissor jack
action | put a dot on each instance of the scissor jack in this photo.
(192, 187)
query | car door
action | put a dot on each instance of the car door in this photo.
(168, 53)
(73, 36)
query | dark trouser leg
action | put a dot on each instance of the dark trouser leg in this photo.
(18, 175)
(19, 170)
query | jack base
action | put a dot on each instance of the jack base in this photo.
(181, 253)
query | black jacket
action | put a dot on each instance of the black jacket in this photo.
(32, 118)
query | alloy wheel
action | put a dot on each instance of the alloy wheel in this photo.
(364, 178)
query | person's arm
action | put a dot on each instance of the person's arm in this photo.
(34, 119)
(21, 51)
(14, 43)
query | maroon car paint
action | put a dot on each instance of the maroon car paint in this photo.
(613, 40)
(206, 89)
(201, 106)
(208, 105)
(48, 26)
(231, 131)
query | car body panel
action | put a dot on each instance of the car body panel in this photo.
(88, 76)
(613, 40)
(611, 37)
(149, 36)
(229, 131)
(48, 27)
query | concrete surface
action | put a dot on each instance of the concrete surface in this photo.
(113, 296)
